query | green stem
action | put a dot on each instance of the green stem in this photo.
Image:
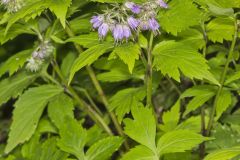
(222, 79)
(91, 101)
(149, 72)
(99, 89)
(84, 106)
(203, 122)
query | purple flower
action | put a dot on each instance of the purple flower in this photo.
(126, 31)
(162, 4)
(103, 30)
(133, 23)
(134, 8)
(153, 24)
(118, 32)
(97, 21)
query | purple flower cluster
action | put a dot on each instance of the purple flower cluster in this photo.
(126, 20)
(41, 53)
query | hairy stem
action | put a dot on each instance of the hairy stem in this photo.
(222, 79)
(84, 106)
(149, 71)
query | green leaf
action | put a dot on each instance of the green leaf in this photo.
(220, 29)
(103, 149)
(125, 100)
(85, 40)
(73, 137)
(192, 37)
(114, 76)
(201, 95)
(225, 3)
(181, 156)
(223, 102)
(27, 112)
(171, 56)
(88, 57)
(179, 141)
(140, 153)
(235, 76)
(29, 11)
(117, 71)
(192, 124)
(13, 87)
(31, 149)
(223, 154)
(67, 63)
(15, 62)
(34, 150)
(61, 106)
(181, 15)
(51, 152)
(46, 126)
(142, 128)
(80, 25)
(60, 8)
(128, 53)
(219, 11)
(14, 31)
(170, 119)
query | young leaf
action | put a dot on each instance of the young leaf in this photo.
(118, 71)
(60, 107)
(15, 62)
(142, 128)
(125, 100)
(226, 3)
(85, 40)
(223, 154)
(201, 95)
(171, 56)
(179, 141)
(128, 53)
(103, 149)
(192, 124)
(170, 119)
(14, 86)
(27, 112)
(220, 29)
(88, 57)
(140, 153)
(34, 150)
(31, 149)
(60, 7)
(49, 151)
(181, 15)
(193, 37)
(224, 101)
(233, 78)
(73, 137)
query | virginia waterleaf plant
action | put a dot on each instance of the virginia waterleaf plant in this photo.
(119, 79)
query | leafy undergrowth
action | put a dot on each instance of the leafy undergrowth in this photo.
(116, 79)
